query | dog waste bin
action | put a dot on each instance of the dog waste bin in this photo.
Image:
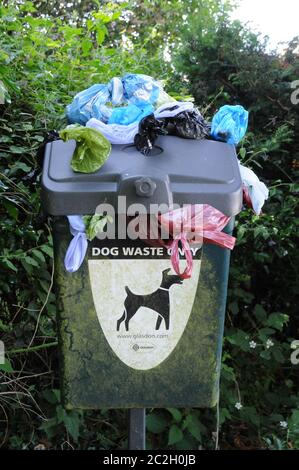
(132, 333)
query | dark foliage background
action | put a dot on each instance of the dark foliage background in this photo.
(50, 50)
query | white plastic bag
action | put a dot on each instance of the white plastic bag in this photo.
(258, 191)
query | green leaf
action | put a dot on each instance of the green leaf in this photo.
(156, 423)
(47, 249)
(30, 261)
(72, 422)
(264, 333)
(277, 320)
(9, 264)
(242, 152)
(15, 149)
(86, 45)
(95, 224)
(194, 426)
(260, 313)
(19, 166)
(239, 338)
(38, 254)
(52, 396)
(175, 413)
(11, 209)
(175, 435)
(294, 421)
(278, 355)
(265, 355)
(223, 415)
(102, 31)
(6, 367)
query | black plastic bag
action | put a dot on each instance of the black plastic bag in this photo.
(149, 130)
(189, 125)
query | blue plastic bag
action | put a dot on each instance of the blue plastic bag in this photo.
(86, 104)
(116, 90)
(131, 89)
(139, 88)
(130, 114)
(230, 124)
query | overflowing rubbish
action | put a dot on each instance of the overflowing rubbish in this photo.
(92, 148)
(125, 134)
(230, 124)
(131, 89)
(136, 109)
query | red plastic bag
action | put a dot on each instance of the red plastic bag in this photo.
(192, 224)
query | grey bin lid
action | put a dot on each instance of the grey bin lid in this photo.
(185, 172)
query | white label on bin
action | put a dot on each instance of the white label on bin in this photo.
(143, 307)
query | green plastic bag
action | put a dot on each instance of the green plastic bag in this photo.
(92, 149)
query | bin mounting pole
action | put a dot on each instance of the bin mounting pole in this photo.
(137, 429)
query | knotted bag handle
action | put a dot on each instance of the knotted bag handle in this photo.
(175, 256)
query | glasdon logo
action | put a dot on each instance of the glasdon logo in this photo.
(142, 347)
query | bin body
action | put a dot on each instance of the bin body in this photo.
(169, 354)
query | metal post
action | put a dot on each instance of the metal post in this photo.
(137, 429)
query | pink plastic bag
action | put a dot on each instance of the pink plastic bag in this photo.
(193, 224)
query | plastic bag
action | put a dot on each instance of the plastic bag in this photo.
(192, 224)
(116, 90)
(178, 118)
(85, 104)
(83, 228)
(132, 89)
(130, 114)
(188, 124)
(255, 191)
(115, 133)
(78, 246)
(230, 124)
(120, 134)
(148, 131)
(92, 149)
(140, 88)
(173, 108)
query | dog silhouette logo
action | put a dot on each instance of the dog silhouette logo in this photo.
(157, 301)
(142, 302)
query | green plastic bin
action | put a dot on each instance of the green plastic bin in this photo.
(169, 353)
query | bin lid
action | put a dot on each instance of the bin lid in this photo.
(180, 171)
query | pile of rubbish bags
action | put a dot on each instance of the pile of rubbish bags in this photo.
(135, 109)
